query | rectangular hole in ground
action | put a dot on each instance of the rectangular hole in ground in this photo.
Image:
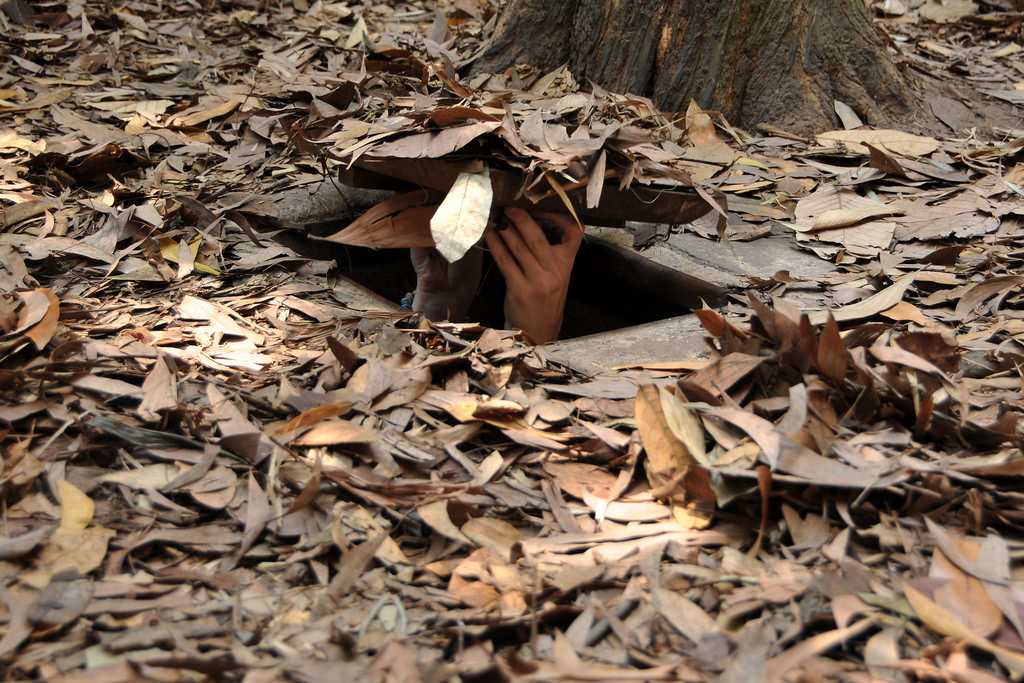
(611, 287)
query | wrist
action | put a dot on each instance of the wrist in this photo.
(539, 323)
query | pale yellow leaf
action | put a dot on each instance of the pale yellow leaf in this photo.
(459, 222)
(76, 508)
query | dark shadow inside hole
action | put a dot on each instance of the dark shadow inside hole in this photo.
(611, 287)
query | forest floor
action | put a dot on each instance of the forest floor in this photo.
(217, 465)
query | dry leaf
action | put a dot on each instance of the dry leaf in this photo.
(595, 183)
(436, 515)
(812, 531)
(495, 534)
(942, 621)
(685, 425)
(459, 223)
(159, 391)
(983, 291)
(948, 11)
(17, 630)
(564, 196)
(699, 126)
(778, 666)
(847, 115)
(62, 601)
(358, 36)
(401, 221)
(335, 432)
(833, 358)
(841, 218)
(257, 513)
(13, 548)
(76, 508)
(42, 331)
(210, 109)
(672, 470)
(74, 545)
(882, 301)
(896, 141)
(309, 492)
(145, 477)
(352, 565)
(763, 432)
(965, 596)
(11, 140)
(684, 615)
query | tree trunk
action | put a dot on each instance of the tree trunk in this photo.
(329, 202)
(782, 62)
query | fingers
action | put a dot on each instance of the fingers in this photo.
(527, 246)
(515, 244)
(571, 236)
(531, 234)
(502, 257)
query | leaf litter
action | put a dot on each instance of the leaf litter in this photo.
(215, 465)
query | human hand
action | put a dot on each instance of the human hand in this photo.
(444, 291)
(536, 272)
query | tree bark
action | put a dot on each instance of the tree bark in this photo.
(782, 62)
(327, 202)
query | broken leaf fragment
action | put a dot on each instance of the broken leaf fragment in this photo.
(459, 222)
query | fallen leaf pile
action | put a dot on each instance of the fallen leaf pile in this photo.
(219, 462)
